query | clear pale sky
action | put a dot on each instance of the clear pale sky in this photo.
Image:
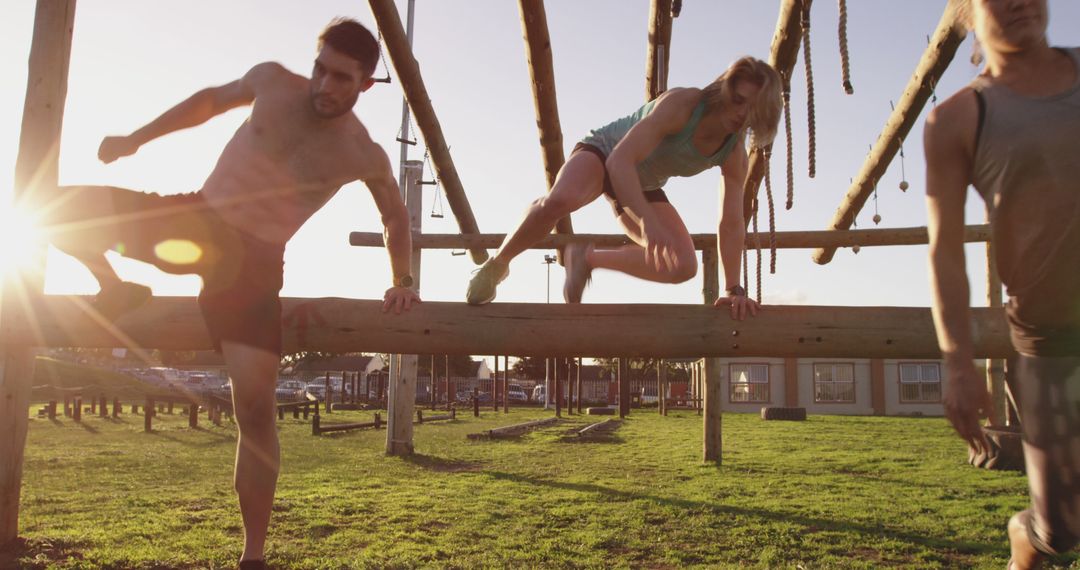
(132, 59)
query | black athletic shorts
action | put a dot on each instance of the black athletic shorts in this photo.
(181, 234)
(652, 196)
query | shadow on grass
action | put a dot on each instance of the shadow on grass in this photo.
(443, 465)
(220, 438)
(32, 554)
(875, 532)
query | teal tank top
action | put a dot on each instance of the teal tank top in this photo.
(676, 154)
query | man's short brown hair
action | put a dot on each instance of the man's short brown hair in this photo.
(354, 40)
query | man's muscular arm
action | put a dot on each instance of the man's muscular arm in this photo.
(195, 110)
(949, 145)
(397, 235)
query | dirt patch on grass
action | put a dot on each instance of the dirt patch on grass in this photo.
(39, 553)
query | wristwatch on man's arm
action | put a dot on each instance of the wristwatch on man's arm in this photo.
(736, 291)
(403, 281)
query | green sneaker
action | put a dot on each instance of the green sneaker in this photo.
(578, 272)
(482, 286)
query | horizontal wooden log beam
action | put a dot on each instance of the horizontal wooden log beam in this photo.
(784, 240)
(528, 329)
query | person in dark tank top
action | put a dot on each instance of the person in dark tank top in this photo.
(680, 133)
(1011, 134)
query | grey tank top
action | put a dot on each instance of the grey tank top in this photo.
(1027, 169)
(676, 154)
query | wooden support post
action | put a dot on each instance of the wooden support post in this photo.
(542, 73)
(557, 382)
(170, 407)
(116, 407)
(52, 410)
(315, 422)
(36, 177)
(948, 36)
(93, 406)
(148, 415)
(659, 53)
(475, 402)
(419, 415)
(791, 382)
(402, 397)
(579, 398)
(134, 408)
(659, 388)
(713, 416)
(103, 406)
(506, 384)
(408, 72)
(495, 387)
(77, 408)
(877, 386)
(624, 386)
(193, 415)
(67, 406)
(329, 393)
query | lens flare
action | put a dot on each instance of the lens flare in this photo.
(178, 251)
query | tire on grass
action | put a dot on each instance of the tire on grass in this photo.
(783, 413)
(1006, 451)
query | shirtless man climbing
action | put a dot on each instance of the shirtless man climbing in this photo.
(299, 146)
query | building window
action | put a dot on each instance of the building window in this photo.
(749, 383)
(834, 383)
(920, 382)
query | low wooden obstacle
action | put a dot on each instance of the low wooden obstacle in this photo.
(215, 406)
(513, 430)
(318, 428)
(604, 427)
(529, 329)
(304, 406)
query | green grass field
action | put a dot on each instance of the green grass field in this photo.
(832, 492)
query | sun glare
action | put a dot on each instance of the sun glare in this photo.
(21, 240)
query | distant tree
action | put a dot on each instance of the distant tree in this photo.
(529, 367)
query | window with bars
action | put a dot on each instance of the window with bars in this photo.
(834, 383)
(749, 383)
(920, 382)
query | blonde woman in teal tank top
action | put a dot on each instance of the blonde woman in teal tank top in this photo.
(683, 132)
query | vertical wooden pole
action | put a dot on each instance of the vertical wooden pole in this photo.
(713, 428)
(506, 384)
(659, 388)
(624, 386)
(329, 393)
(37, 176)
(557, 390)
(401, 400)
(659, 48)
(148, 415)
(995, 367)
(579, 397)
(495, 386)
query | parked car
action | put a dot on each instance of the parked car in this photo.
(516, 393)
(289, 390)
(538, 393)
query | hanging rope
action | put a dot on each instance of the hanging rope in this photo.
(790, 151)
(845, 64)
(812, 151)
(757, 249)
(772, 214)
